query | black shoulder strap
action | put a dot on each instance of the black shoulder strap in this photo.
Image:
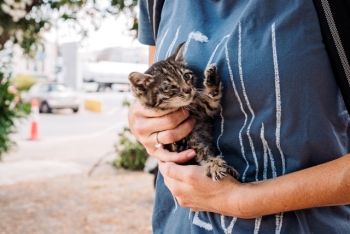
(334, 17)
(154, 11)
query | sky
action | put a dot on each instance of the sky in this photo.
(112, 33)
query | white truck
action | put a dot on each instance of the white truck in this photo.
(107, 73)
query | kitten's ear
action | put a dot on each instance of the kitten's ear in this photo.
(140, 82)
(178, 54)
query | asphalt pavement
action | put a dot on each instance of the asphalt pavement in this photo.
(65, 182)
(68, 143)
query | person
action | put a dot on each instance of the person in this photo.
(282, 124)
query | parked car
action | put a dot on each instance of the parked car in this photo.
(53, 96)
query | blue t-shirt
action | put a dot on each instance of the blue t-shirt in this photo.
(281, 109)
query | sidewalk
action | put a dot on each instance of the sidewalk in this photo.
(109, 201)
(45, 187)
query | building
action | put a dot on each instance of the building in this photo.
(43, 66)
(65, 64)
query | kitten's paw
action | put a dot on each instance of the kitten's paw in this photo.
(216, 168)
(211, 76)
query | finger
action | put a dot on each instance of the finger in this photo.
(173, 135)
(164, 155)
(168, 121)
(140, 120)
(181, 173)
(145, 126)
(139, 109)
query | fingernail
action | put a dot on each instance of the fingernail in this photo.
(191, 154)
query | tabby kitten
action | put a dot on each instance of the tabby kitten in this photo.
(169, 85)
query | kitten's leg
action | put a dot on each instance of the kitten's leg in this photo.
(215, 167)
(212, 91)
(212, 82)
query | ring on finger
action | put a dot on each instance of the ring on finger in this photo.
(158, 145)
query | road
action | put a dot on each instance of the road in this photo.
(45, 185)
(68, 142)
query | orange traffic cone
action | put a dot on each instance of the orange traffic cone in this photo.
(34, 132)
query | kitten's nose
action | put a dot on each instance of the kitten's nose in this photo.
(187, 90)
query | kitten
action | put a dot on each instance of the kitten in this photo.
(169, 85)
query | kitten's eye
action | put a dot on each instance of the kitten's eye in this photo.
(187, 76)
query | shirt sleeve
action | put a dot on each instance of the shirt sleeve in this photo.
(145, 35)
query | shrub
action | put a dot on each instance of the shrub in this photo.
(11, 108)
(23, 82)
(131, 153)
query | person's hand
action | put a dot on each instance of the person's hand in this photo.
(148, 126)
(194, 190)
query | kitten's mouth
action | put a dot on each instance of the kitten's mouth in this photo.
(186, 101)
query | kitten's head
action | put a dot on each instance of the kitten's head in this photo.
(166, 85)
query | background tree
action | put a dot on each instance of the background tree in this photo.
(23, 22)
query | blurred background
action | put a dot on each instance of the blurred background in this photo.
(68, 162)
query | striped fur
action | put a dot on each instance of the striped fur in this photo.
(169, 85)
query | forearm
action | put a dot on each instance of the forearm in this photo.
(151, 53)
(323, 185)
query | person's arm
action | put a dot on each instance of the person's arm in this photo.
(151, 53)
(323, 185)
